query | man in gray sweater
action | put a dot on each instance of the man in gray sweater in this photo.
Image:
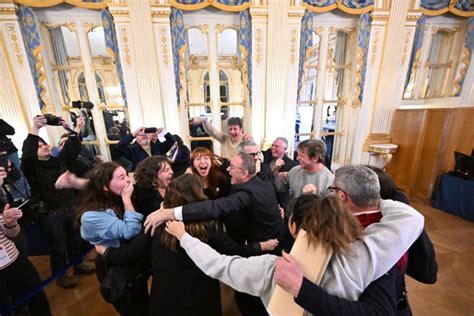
(311, 175)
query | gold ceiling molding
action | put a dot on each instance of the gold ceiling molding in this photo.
(414, 15)
(380, 15)
(205, 4)
(76, 3)
(338, 5)
(7, 10)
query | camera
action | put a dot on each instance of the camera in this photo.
(82, 105)
(150, 130)
(52, 120)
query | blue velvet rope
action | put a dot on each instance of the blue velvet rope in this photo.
(11, 307)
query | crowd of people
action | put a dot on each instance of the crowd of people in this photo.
(188, 220)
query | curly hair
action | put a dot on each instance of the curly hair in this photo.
(147, 170)
(332, 223)
(185, 189)
(215, 177)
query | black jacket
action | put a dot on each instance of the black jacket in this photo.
(250, 212)
(179, 287)
(284, 196)
(5, 142)
(42, 175)
(379, 298)
(135, 152)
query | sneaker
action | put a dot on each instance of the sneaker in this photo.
(84, 268)
(67, 282)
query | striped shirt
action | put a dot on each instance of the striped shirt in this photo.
(8, 245)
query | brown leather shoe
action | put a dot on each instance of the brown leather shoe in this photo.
(67, 282)
(84, 268)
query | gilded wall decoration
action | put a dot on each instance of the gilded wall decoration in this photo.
(15, 44)
(259, 44)
(125, 44)
(164, 45)
(293, 40)
(406, 46)
(464, 65)
(375, 47)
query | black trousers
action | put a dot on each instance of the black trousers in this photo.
(18, 279)
(250, 305)
(64, 239)
(137, 300)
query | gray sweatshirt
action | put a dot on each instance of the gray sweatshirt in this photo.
(346, 276)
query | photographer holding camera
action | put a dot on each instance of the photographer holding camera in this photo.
(143, 147)
(17, 275)
(57, 207)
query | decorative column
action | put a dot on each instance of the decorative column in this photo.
(380, 17)
(141, 62)
(284, 23)
(259, 16)
(295, 13)
(128, 59)
(387, 96)
(12, 108)
(18, 95)
(162, 33)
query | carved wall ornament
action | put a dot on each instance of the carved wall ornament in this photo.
(125, 44)
(70, 25)
(259, 44)
(164, 45)
(386, 4)
(406, 46)
(319, 31)
(375, 44)
(293, 40)
(464, 65)
(15, 44)
(7, 11)
(89, 26)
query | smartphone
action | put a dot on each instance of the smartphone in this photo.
(4, 161)
(150, 130)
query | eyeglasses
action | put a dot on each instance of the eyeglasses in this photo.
(231, 166)
(334, 188)
(255, 154)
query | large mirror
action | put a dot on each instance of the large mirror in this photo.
(307, 94)
(338, 67)
(65, 59)
(107, 81)
(438, 64)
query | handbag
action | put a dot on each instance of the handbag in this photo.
(115, 284)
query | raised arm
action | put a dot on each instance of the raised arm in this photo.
(209, 128)
(382, 245)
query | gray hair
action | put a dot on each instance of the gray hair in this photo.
(360, 183)
(248, 163)
(246, 143)
(283, 139)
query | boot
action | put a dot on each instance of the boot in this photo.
(67, 282)
(84, 268)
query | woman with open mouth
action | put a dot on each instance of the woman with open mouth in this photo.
(207, 166)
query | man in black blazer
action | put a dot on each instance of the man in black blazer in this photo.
(143, 148)
(278, 161)
(250, 213)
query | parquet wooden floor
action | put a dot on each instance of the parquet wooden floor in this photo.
(452, 295)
